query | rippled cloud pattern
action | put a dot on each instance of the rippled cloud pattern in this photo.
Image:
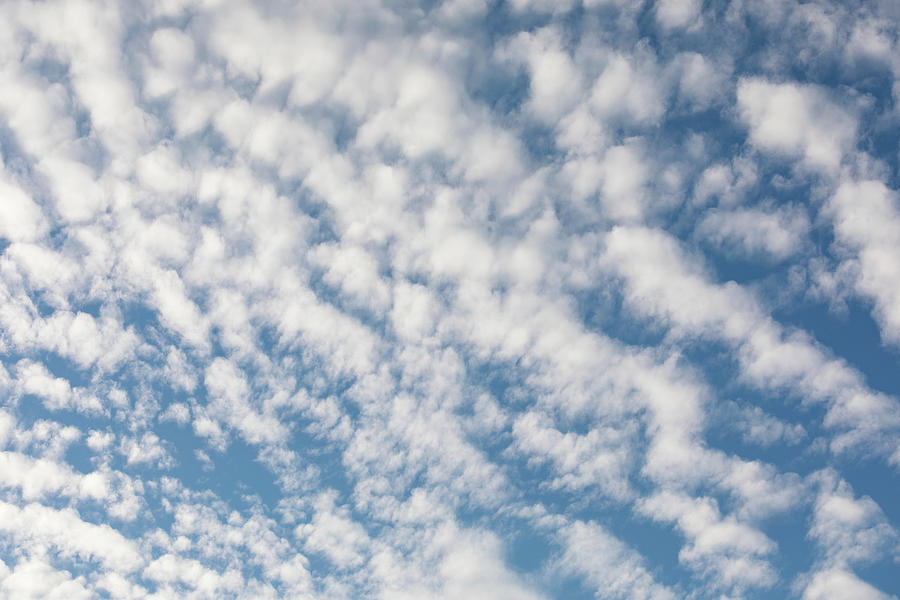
(461, 299)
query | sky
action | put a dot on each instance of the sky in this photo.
(449, 300)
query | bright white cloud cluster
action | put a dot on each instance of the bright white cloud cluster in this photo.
(449, 300)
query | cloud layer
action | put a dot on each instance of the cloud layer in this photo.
(395, 300)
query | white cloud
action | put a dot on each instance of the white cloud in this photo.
(7, 427)
(611, 568)
(798, 121)
(837, 584)
(624, 176)
(173, 54)
(333, 533)
(727, 183)
(160, 170)
(677, 13)
(867, 221)
(21, 220)
(599, 458)
(206, 583)
(39, 477)
(177, 412)
(542, 5)
(355, 273)
(618, 178)
(702, 82)
(630, 90)
(758, 427)
(472, 565)
(849, 530)
(734, 553)
(555, 84)
(35, 579)
(56, 392)
(146, 449)
(64, 531)
(871, 40)
(230, 401)
(414, 311)
(46, 438)
(774, 234)
(663, 283)
(99, 440)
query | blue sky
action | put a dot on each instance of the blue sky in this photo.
(513, 300)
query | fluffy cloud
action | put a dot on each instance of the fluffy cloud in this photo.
(754, 232)
(63, 530)
(613, 569)
(796, 120)
(839, 585)
(867, 221)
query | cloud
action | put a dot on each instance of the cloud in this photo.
(601, 457)
(702, 80)
(629, 90)
(335, 535)
(22, 219)
(867, 221)
(472, 565)
(798, 121)
(56, 392)
(837, 584)
(447, 300)
(610, 567)
(229, 392)
(662, 283)
(758, 427)
(677, 13)
(39, 477)
(734, 553)
(555, 82)
(69, 535)
(754, 233)
(849, 530)
(33, 579)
